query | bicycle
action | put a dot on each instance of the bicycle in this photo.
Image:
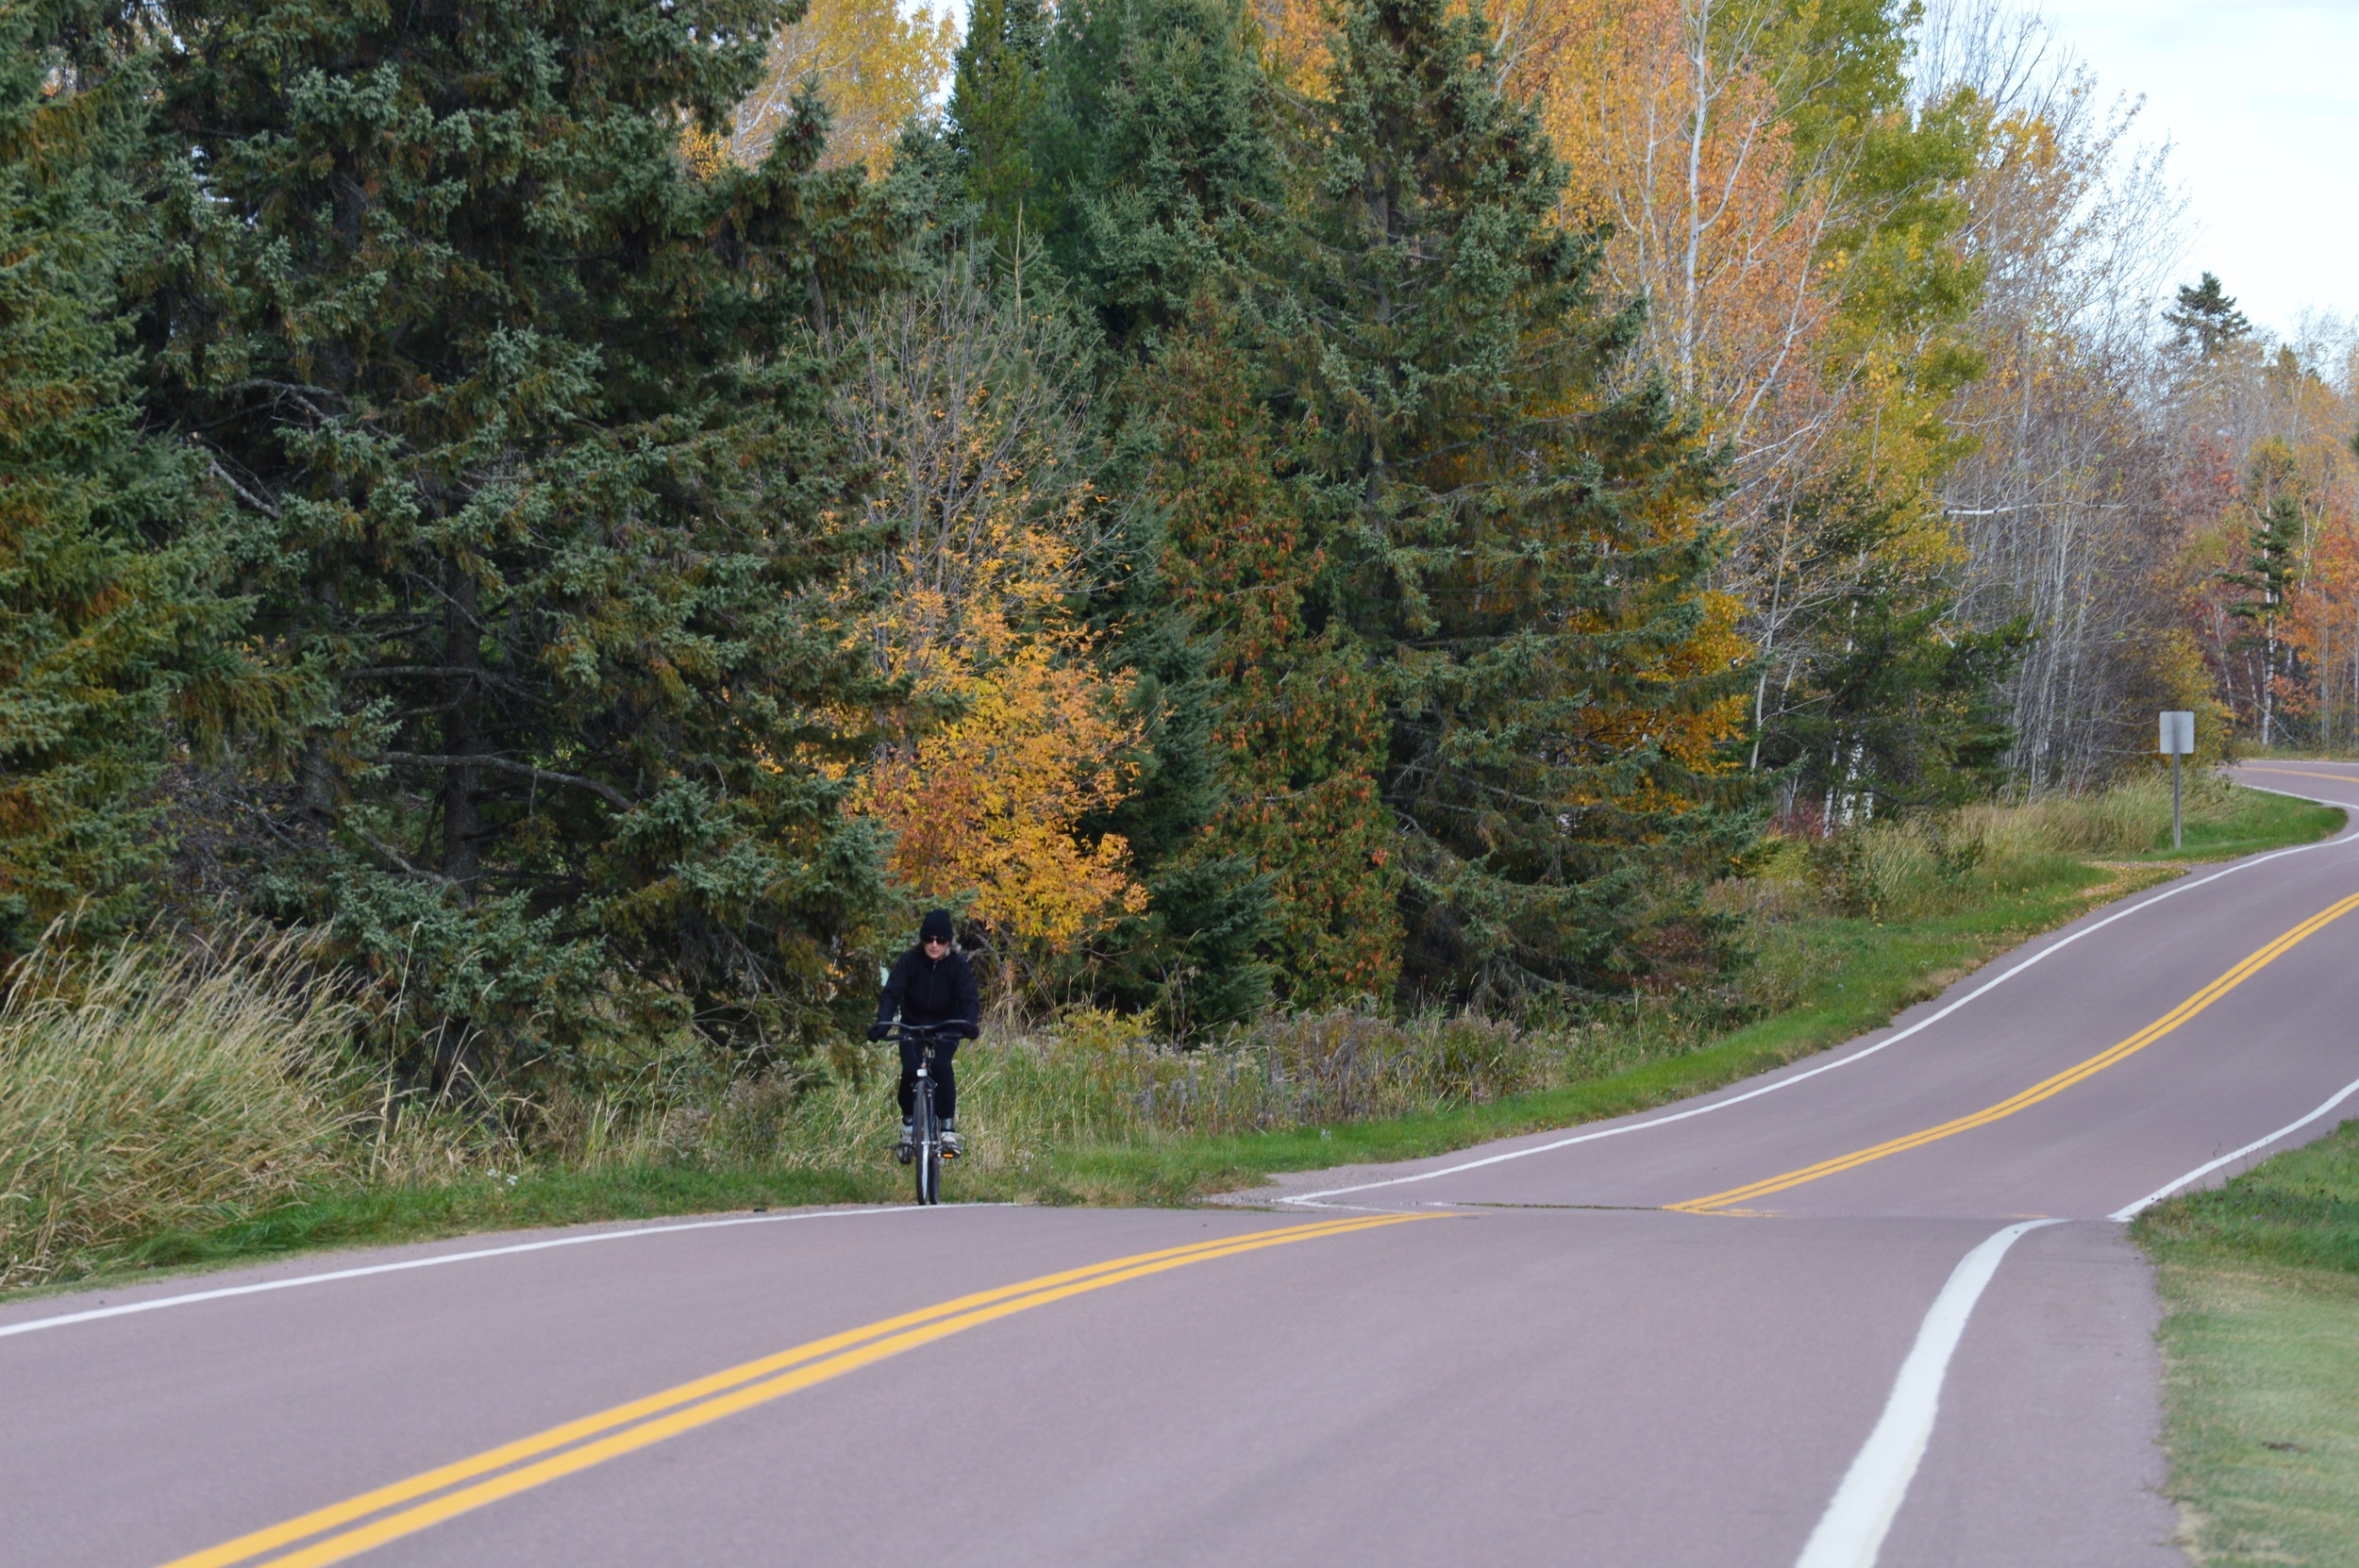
(924, 1149)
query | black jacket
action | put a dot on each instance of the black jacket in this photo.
(932, 990)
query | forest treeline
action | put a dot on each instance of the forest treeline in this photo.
(596, 510)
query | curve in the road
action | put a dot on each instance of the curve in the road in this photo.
(2079, 1071)
(1531, 1384)
(1317, 1200)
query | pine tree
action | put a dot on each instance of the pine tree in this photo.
(103, 618)
(1518, 548)
(536, 485)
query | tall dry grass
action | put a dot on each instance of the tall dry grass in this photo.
(1919, 865)
(141, 1091)
(1094, 1077)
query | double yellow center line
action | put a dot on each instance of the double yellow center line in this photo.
(1735, 1197)
(434, 1496)
(2305, 773)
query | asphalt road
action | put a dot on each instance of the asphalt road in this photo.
(1869, 1309)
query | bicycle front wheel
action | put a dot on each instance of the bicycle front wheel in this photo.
(928, 1160)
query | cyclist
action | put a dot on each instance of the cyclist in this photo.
(930, 984)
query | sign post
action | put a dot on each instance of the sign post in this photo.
(2178, 740)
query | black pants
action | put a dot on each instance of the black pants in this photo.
(944, 1076)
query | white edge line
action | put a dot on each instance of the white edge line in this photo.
(2349, 837)
(157, 1303)
(1851, 1531)
(2131, 1212)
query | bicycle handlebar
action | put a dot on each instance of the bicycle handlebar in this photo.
(927, 1031)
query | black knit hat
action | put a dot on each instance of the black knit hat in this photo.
(936, 923)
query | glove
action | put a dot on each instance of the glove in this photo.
(971, 1031)
(879, 1031)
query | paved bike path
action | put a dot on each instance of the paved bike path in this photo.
(1506, 1380)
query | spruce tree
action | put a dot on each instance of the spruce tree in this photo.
(2272, 571)
(1886, 701)
(1298, 713)
(1143, 144)
(1156, 155)
(995, 96)
(105, 619)
(1516, 546)
(2206, 317)
(536, 481)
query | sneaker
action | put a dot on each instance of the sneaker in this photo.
(951, 1147)
(906, 1149)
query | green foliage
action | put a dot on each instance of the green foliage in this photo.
(1299, 711)
(1155, 142)
(2273, 563)
(1196, 953)
(996, 99)
(1887, 701)
(2206, 317)
(536, 487)
(106, 623)
(1513, 544)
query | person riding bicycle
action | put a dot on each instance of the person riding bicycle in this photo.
(930, 985)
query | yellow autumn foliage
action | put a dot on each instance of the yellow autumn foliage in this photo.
(872, 66)
(986, 805)
(967, 406)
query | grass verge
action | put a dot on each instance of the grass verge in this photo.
(2260, 1283)
(1846, 940)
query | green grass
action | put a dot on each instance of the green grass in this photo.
(2260, 1283)
(2258, 822)
(1062, 1125)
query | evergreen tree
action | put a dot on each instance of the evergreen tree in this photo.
(104, 619)
(2206, 316)
(996, 97)
(2272, 568)
(1157, 157)
(1517, 547)
(1298, 715)
(1887, 702)
(536, 478)
(1148, 148)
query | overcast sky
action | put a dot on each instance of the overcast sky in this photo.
(2261, 101)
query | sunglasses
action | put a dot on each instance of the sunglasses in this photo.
(937, 941)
